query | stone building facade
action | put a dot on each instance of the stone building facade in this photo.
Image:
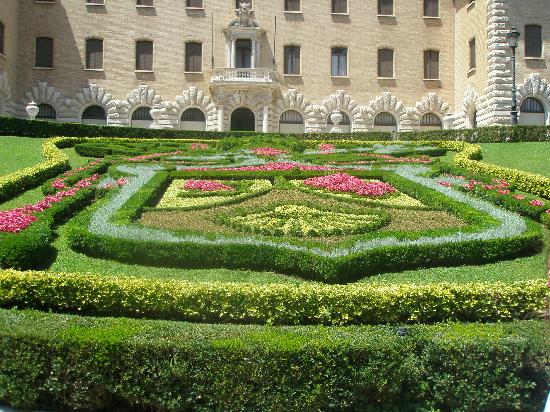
(275, 65)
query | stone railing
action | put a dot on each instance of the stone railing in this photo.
(243, 76)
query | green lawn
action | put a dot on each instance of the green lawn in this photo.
(19, 152)
(531, 156)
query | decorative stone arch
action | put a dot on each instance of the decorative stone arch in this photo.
(470, 107)
(343, 102)
(45, 94)
(254, 101)
(431, 103)
(537, 87)
(244, 106)
(5, 95)
(120, 111)
(293, 100)
(93, 95)
(195, 98)
(385, 103)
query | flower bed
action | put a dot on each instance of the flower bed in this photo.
(344, 183)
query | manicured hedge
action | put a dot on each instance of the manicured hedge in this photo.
(30, 248)
(21, 127)
(70, 180)
(16, 183)
(88, 364)
(274, 304)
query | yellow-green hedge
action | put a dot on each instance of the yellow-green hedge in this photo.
(282, 304)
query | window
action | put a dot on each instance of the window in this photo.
(291, 117)
(339, 61)
(531, 105)
(430, 120)
(2, 51)
(292, 5)
(96, 2)
(385, 63)
(339, 6)
(45, 111)
(145, 3)
(431, 8)
(44, 52)
(144, 55)
(142, 113)
(384, 119)
(94, 54)
(193, 57)
(472, 46)
(533, 41)
(193, 115)
(292, 60)
(94, 115)
(431, 65)
(385, 7)
(194, 4)
(239, 2)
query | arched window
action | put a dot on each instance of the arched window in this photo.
(385, 122)
(193, 119)
(45, 111)
(243, 119)
(345, 124)
(430, 121)
(291, 122)
(94, 115)
(532, 105)
(141, 117)
(532, 112)
(2, 51)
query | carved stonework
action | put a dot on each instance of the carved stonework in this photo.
(93, 95)
(293, 100)
(342, 101)
(43, 93)
(431, 103)
(193, 97)
(535, 86)
(385, 103)
(5, 95)
(143, 96)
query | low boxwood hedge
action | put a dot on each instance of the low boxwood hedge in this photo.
(276, 304)
(89, 364)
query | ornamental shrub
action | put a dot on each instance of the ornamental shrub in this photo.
(76, 363)
(274, 304)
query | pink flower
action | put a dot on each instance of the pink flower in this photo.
(199, 146)
(269, 167)
(205, 185)
(519, 197)
(268, 151)
(537, 203)
(393, 159)
(488, 187)
(548, 211)
(469, 187)
(143, 158)
(58, 184)
(122, 181)
(445, 183)
(327, 148)
(343, 182)
(14, 221)
(503, 192)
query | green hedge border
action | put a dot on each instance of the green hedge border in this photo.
(77, 363)
(274, 304)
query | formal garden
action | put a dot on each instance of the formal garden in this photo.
(153, 270)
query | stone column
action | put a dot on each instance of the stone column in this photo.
(265, 120)
(220, 117)
(233, 53)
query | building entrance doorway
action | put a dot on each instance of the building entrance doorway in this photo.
(243, 119)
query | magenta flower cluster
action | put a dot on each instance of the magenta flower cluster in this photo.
(268, 151)
(205, 185)
(199, 146)
(327, 148)
(84, 168)
(268, 167)
(393, 159)
(143, 158)
(342, 182)
(14, 221)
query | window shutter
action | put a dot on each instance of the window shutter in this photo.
(193, 57)
(144, 55)
(44, 52)
(385, 7)
(339, 6)
(145, 2)
(197, 4)
(385, 63)
(94, 54)
(292, 60)
(472, 54)
(339, 61)
(431, 64)
(533, 41)
(431, 8)
(292, 5)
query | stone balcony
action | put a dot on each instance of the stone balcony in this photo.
(243, 77)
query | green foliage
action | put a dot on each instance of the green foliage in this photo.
(77, 363)
(70, 180)
(30, 247)
(276, 304)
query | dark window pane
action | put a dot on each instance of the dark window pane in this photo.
(431, 64)
(532, 105)
(339, 6)
(384, 119)
(142, 113)
(45, 111)
(385, 63)
(2, 34)
(292, 60)
(95, 1)
(94, 113)
(291, 117)
(292, 5)
(431, 8)
(533, 41)
(94, 54)
(145, 2)
(472, 46)
(430, 119)
(44, 52)
(193, 57)
(144, 55)
(339, 61)
(193, 115)
(195, 4)
(385, 7)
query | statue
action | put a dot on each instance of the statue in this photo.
(244, 13)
